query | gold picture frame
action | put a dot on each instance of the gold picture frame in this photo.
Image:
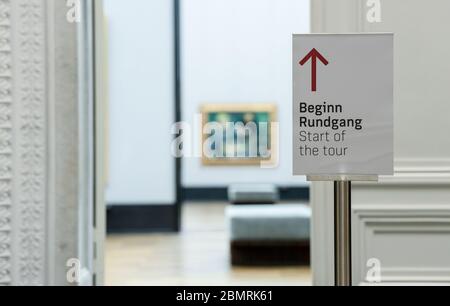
(261, 112)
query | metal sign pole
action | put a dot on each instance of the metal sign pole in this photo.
(342, 222)
(342, 233)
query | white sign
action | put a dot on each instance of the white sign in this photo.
(343, 104)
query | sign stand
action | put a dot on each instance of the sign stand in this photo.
(343, 123)
(342, 233)
(342, 223)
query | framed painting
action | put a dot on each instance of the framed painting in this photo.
(237, 134)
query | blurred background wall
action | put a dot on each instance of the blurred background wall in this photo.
(141, 101)
(240, 52)
(226, 57)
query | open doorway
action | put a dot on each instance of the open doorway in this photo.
(176, 221)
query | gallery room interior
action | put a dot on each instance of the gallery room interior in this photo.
(151, 143)
(231, 68)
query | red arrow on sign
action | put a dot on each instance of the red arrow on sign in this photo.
(314, 55)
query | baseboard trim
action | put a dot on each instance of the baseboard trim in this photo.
(294, 193)
(129, 218)
(205, 194)
(211, 194)
(141, 218)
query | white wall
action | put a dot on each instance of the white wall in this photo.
(141, 91)
(240, 51)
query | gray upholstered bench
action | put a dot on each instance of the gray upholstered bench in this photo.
(274, 234)
(253, 194)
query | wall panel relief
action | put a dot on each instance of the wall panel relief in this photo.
(28, 65)
(6, 138)
(30, 145)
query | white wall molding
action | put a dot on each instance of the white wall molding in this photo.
(341, 16)
(382, 222)
(30, 140)
(423, 165)
(6, 149)
(29, 95)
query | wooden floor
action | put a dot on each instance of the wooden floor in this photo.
(197, 256)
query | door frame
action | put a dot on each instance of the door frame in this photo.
(100, 79)
(100, 122)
